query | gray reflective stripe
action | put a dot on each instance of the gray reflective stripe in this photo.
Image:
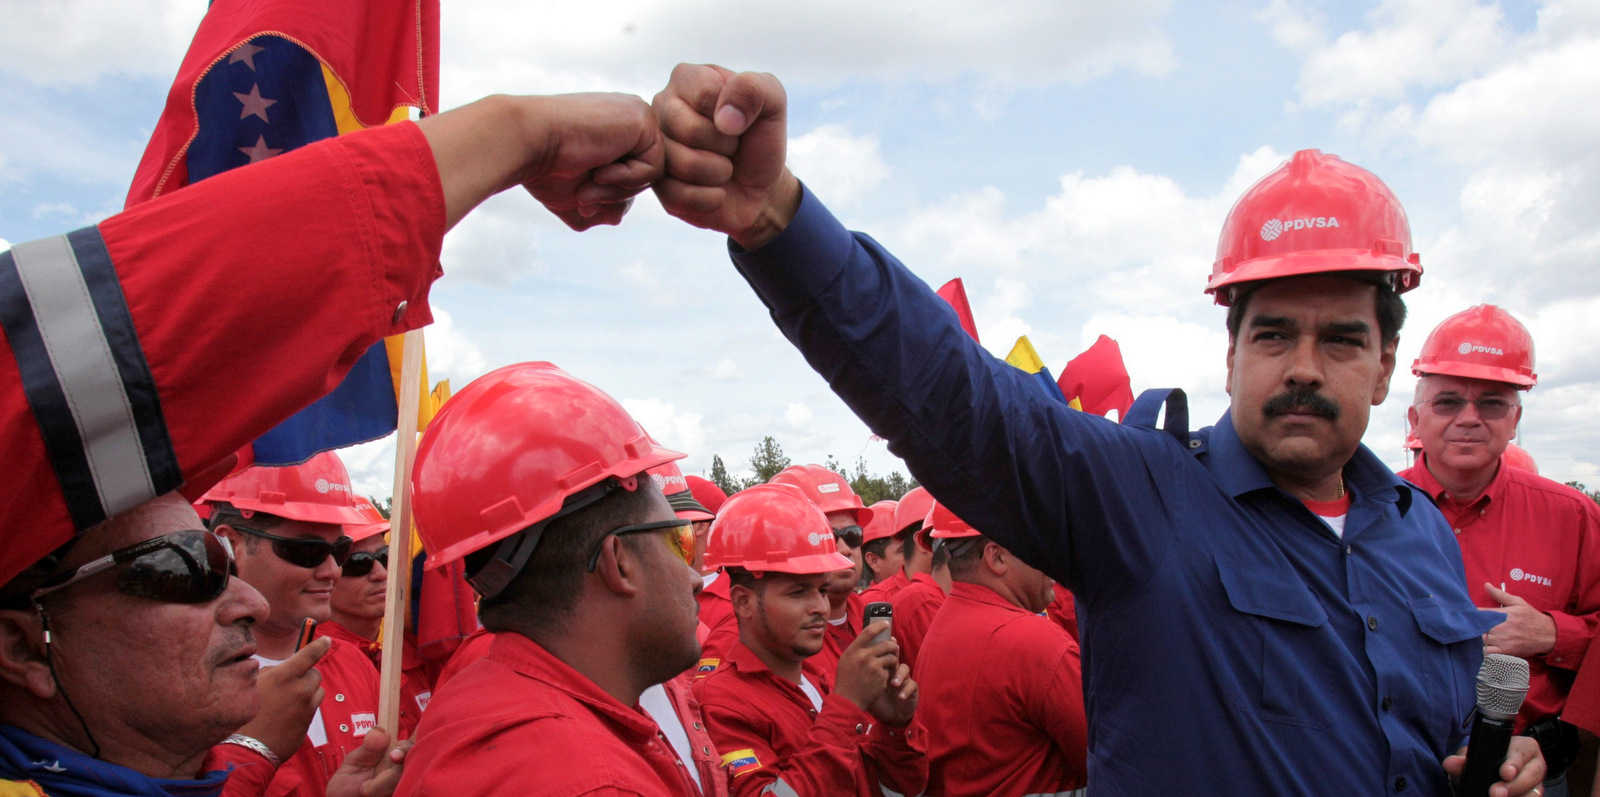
(781, 789)
(83, 364)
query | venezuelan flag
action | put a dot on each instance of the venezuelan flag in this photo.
(741, 762)
(263, 77)
(1026, 358)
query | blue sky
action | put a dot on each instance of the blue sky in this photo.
(1072, 161)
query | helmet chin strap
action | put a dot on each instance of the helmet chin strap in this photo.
(515, 550)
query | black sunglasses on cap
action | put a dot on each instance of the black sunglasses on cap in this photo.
(302, 551)
(190, 566)
(361, 563)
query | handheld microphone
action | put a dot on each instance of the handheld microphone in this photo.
(1502, 685)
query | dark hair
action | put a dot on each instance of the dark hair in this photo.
(964, 564)
(546, 592)
(225, 514)
(908, 543)
(1390, 310)
(740, 577)
(878, 547)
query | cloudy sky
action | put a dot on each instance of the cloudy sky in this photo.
(1072, 160)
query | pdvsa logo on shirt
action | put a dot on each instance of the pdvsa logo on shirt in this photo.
(1468, 348)
(360, 724)
(1517, 574)
(1276, 227)
(422, 700)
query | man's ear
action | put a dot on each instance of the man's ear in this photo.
(744, 600)
(1380, 391)
(22, 653)
(1233, 344)
(618, 568)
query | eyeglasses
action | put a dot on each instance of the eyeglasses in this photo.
(1489, 408)
(681, 538)
(361, 563)
(301, 551)
(190, 566)
(850, 535)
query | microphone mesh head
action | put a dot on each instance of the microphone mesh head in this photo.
(1502, 684)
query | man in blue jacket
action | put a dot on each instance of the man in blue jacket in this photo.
(1267, 608)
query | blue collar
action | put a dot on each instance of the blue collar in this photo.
(64, 772)
(1238, 472)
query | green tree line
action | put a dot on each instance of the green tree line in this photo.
(768, 459)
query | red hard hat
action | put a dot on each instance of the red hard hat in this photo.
(913, 508)
(1483, 342)
(374, 524)
(671, 481)
(1314, 214)
(1516, 457)
(316, 491)
(945, 525)
(509, 450)
(773, 528)
(707, 493)
(826, 489)
(882, 524)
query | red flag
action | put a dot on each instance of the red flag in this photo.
(1098, 379)
(956, 294)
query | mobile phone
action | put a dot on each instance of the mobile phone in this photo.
(875, 611)
(308, 628)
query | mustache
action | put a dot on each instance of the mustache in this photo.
(1301, 400)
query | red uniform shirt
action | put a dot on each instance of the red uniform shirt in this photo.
(1001, 700)
(914, 610)
(335, 237)
(522, 722)
(840, 636)
(1063, 611)
(416, 685)
(1542, 540)
(886, 589)
(349, 709)
(684, 704)
(716, 613)
(771, 736)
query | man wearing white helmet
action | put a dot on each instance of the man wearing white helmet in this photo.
(1268, 609)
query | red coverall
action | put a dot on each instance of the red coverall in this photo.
(712, 779)
(716, 614)
(840, 636)
(770, 736)
(341, 236)
(416, 685)
(886, 589)
(914, 610)
(1063, 611)
(1541, 539)
(1002, 700)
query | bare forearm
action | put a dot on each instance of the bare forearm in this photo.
(481, 148)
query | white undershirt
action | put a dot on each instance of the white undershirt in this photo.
(1335, 523)
(655, 702)
(705, 580)
(811, 692)
(839, 621)
(315, 732)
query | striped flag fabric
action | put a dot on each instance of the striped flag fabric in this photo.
(1025, 357)
(263, 77)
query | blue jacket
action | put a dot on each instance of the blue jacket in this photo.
(1233, 644)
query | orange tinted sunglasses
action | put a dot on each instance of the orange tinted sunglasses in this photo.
(680, 535)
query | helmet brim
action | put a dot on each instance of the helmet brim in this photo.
(1488, 373)
(1355, 262)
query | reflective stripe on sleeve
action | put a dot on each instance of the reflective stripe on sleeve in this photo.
(85, 375)
(780, 789)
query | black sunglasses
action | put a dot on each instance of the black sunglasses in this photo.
(301, 551)
(361, 563)
(850, 535)
(190, 566)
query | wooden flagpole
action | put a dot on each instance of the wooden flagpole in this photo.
(398, 597)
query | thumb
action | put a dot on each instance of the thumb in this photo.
(370, 753)
(304, 658)
(746, 98)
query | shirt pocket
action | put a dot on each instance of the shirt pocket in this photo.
(1289, 639)
(1459, 630)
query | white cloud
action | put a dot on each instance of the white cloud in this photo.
(1427, 43)
(726, 370)
(836, 164)
(62, 42)
(680, 431)
(798, 415)
(632, 45)
(4, 244)
(498, 242)
(1292, 27)
(451, 355)
(371, 467)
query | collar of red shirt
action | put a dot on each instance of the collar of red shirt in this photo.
(981, 594)
(1419, 475)
(719, 586)
(331, 628)
(527, 658)
(745, 660)
(924, 578)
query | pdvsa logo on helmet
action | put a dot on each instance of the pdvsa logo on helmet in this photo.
(827, 488)
(1468, 348)
(1276, 227)
(324, 486)
(814, 539)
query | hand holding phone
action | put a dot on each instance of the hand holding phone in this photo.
(308, 630)
(875, 611)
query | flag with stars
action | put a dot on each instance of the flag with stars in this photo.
(263, 77)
